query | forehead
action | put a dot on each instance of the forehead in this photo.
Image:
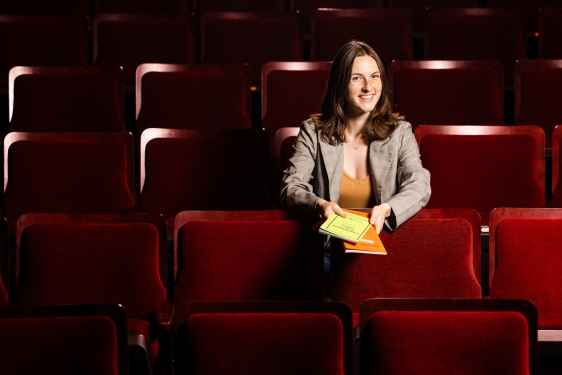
(364, 65)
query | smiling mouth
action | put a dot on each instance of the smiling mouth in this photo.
(366, 97)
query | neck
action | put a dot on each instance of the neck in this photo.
(354, 126)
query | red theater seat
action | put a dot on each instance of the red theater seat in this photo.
(550, 33)
(388, 31)
(41, 7)
(483, 167)
(85, 259)
(193, 96)
(538, 85)
(201, 6)
(4, 249)
(140, 6)
(291, 92)
(525, 251)
(41, 41)
(529, 9)
(68, 173)
(448, 336)
(284, 149)
(252, 38)
(244, 256)
(263, 338)
(447, 92)
(203, 170)
(64, 340)
(66, 99)
(475, 34)
(129, 40)
(556, 165)
(436, 254)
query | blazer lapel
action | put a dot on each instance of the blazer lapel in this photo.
(333, 162)
(380, 156)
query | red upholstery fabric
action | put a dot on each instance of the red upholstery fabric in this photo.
(264, 343)
(139, 6)
(254, 41)
(41, 7)
(529, 8)
(399, 342)
(540, 86)
(189, 100)
(557, 193)
(528, 255)
(552, 37)
(386, 33)
(130, 43)
(429, 258)
(246, 261)
(35, 43)
(292, 96)
(476, 37)
(58, 346)
(189, 174)
(201, 6)
(482, 172)
(418, 7)
(465, 96)
(66, 103)
(74, 176)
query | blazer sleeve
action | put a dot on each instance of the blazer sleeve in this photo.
(412, 180)
(297, 189)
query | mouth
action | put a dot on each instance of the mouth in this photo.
(366, 97)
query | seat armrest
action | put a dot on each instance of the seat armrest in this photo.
(165, 314)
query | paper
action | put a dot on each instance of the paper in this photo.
(350, 228)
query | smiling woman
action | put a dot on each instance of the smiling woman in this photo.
(356, 153)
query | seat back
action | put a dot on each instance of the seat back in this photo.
(129, 40)
(483, 167)
(254, 338)
(436, 254)
(185, 96)
(68, 173)
(524, 249)
(41, 41)
(64, 340)
(537, 85)
(73, 259)
(4, 256)
(556, 165)
(140, 6)
(448, 336)
(69, 99)
(475, 34)
(201, 6)
(252, 38)
(468, 92)
(299, 86)
(388, 31)
(285, 139)
(244, 256)
(550, 33)
(184, 170)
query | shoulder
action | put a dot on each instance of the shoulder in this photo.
(402, 130)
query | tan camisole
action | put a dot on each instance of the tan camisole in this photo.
(356, 193)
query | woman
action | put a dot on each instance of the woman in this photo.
(356, 152)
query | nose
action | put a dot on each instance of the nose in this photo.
(367, 86)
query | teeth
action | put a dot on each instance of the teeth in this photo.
(366, 96)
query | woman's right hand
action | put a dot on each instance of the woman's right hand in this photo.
(325, 209)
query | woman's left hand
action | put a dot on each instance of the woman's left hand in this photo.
(378, 214)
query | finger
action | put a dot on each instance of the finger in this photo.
(337, 209)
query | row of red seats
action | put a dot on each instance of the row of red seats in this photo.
(264, 255)
(130, 40)
(425, 336)
(212, 96)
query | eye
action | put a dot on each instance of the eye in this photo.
(356, 78)
(375, 76)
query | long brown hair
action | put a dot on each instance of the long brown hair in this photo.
(332, 121)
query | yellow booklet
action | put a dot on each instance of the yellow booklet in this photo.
(370, 243)
(350, 228)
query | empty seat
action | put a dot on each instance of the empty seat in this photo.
(447, 92)
(41, 41)
(483, 167)
(40, 7)
(187, 96)
(436, 254)
(201, 6)
(129, 40)
(550, 33)
(556, 166)
(448, 336)
(63, 340)
(66, 99)
(475, 34)
(388, 31)
(140, 6)
(260, 337)
(244, 256)
(529, 9)
(291, 92)
(538, 84)
(252, 38)
(68, 173)
(203, 170)
(84, 259)
(525, 249)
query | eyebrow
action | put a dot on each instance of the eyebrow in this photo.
(359, 74)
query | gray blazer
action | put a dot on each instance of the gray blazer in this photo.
(316, 168)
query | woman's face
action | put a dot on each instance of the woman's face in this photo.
(365, 87)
